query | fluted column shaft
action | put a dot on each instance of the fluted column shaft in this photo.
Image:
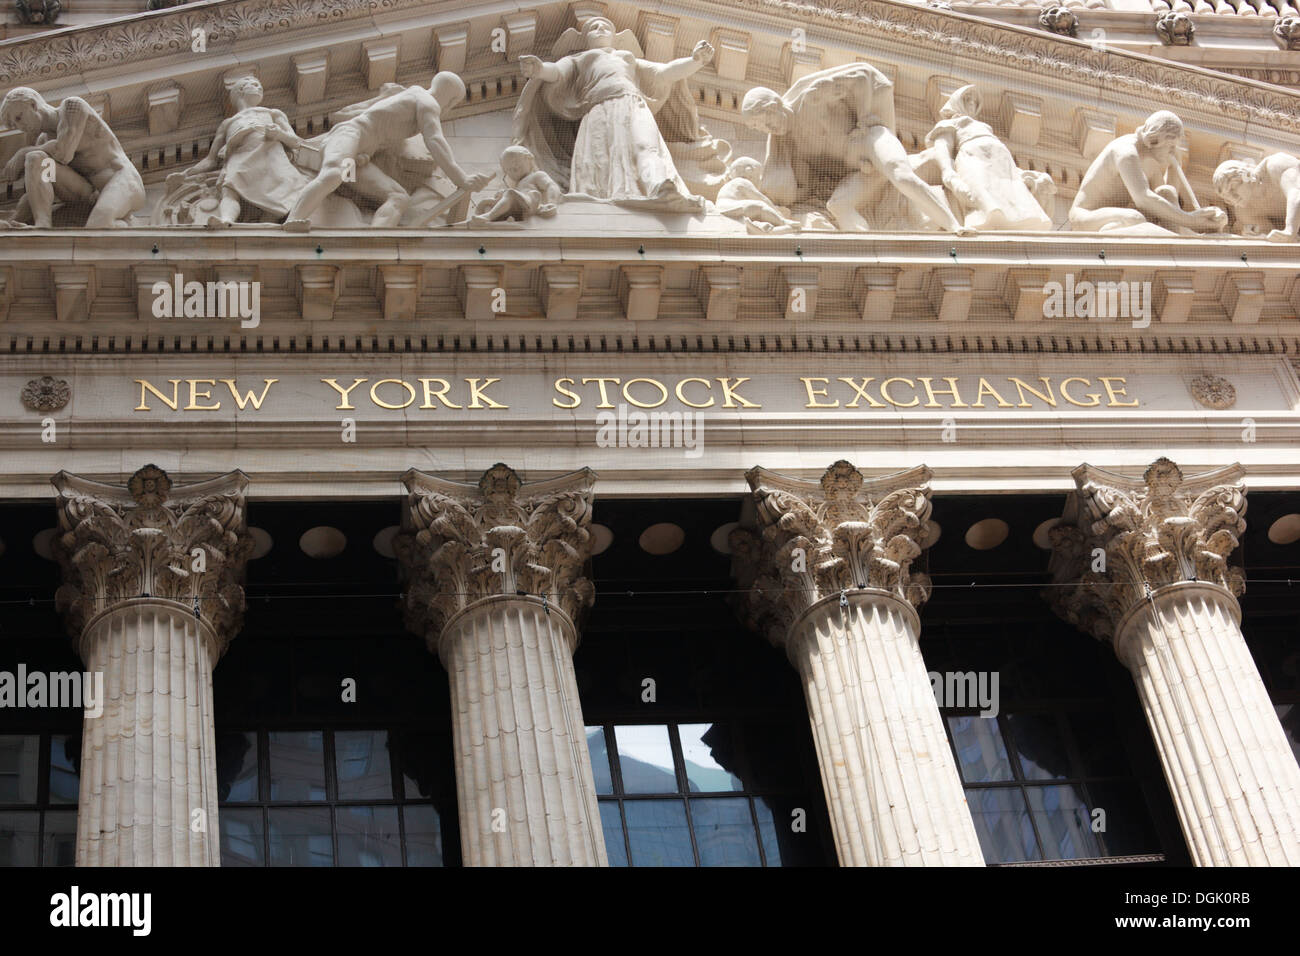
(523, 774)
(494, 583)
(1233, 777)
(1143, 564)
(891, 784)
(151, 595)
(148, 765)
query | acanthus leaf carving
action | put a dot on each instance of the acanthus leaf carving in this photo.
(463, 543)
(1121, 539)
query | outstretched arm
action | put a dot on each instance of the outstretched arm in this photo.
(684, 67)
(211, 161)
(1147, 200)
(440, 150)
(533, 67)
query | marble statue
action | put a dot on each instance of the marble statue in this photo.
(828, 137)
(528, 191)
(979, 172)
(1264, 198)
(599, 120)
(1117, 191)
(739, 197)
(382, 125)
(1175, 28)
(39, 12)
(72, 156)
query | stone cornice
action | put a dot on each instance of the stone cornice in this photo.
(464, 543)
(816, 539)
(188, 545)
(1121, 539)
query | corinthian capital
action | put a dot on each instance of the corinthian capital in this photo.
(461, 543)
(1122, 538)
(816, 539)
(150, 540)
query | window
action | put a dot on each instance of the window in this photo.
(692, 794)
(1049, 784)
(327, 797)
(39, 780)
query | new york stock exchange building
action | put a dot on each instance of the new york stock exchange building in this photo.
(692, 433)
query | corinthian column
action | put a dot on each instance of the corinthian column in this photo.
(495, 586)
(830, 581)
(1143, 564)
(151, 595)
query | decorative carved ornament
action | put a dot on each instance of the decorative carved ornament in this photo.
(1175, 28)
(462, 543)
(39, 12)
(1287, 32)
(73, 52)
(1059, 20)
(1122, 538)
(117, 543)
(816, 539)
(46, 394)
(1213, 391)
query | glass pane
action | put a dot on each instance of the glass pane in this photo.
(1125, 823)
(423, 836)
(65, 769)
(599, 759)
(1040, 746)
(18, 831)
(612, 824)
(708, 752)
(1064, 823)
(646, 759)
(237, 767)
(301, 837)
(657, 831)
(19, 759)
(417, 757)
(767, 832)
(724, 832)
(368, 836)
(241, 838)
(59, 847)
(362, 759)
(789, 829)
(1100, 747)
(981, 754)
(297, 765)
(1002, 822)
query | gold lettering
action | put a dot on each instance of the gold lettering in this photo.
(173, 403)
(1065, 394)
(374, 392)
(986, 387)
(814, 394)
(685, 401)
(950, 390)
(441, 393)
(862, 393)
(663, 392)
(1022, 387)
(195, 395)
(577, 399)
(343, 392)
(476, 393)
(604, 398)
(727, 388)
(243, 400)
(1112, 391)
(884, 391)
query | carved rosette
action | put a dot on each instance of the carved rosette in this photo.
(1213, 391)
(462, 543)
(816, 539)
(1120, 539)
(148, 540)
(46, 394)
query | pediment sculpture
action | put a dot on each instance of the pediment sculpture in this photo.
(599, 122)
